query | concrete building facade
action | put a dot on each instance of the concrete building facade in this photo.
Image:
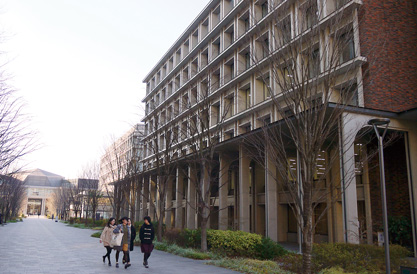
(220, 51)
(40, 185)
(120, 162)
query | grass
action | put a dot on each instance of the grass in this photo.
(96, 235)
(185, 252)
(250, 266)
(244, 265)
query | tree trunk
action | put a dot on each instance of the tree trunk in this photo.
(307, 232)
(204, 235)
(160, 227)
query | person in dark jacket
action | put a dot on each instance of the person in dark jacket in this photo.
(146, 235)
(132, 233)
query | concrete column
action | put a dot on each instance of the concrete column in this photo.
(206, 196)
(43, 206)
(145, 197)
(244, 201)
(348, 182)
(411, 145)
(179, 197)
(152, 197)
(138, 211)
(191, 199)
(223, 191)
(271, 199)
(168, 203)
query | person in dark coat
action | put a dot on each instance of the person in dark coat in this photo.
(146, 235)
(132, 233)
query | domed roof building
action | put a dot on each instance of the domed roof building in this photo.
(40, 186)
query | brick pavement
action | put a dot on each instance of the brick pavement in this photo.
(41, 246)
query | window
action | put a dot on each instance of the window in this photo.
(229, 106)
(247, 60)
(267, 120)
(314, 63)
(265, 90)
(215, 48)
(247, 23)
(310, 17)
(264, 8)
(265, 47)
(350, 95)
(247, 95)
(320, 218)
(347, 47)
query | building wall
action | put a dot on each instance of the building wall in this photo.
(388, 34)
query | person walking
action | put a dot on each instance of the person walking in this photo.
(105, 238)
(123, 228)
(132, 233)
(146, 235)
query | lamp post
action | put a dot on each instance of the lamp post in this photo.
(375, 123)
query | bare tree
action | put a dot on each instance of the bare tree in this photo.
(163, 145)
(75, 192)
(92, 193)
(200, 134)
(12, 193)
(112, 175)
(310, 75)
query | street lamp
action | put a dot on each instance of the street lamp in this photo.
(375, 123)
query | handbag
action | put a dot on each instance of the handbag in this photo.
(116, 239)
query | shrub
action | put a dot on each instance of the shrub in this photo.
(234, 243)
(269, 249)
(190, 238)
(174, 236)
(96, 234)
(400, 231)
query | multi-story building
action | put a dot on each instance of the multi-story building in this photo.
(122, 161)
(223, 51)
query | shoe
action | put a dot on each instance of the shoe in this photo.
(117, 265)
(127, 265)
(146, 266)
(104, 258)
(109, 263)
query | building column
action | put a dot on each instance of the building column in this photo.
(152, 198)
(43, 206)
(191, 199)
(179, 178)
(347, 136)
(223, 191)
(145, 197)
(138, 211)
(168, 203)
(244, 201)
(411, 148)
(271, 198)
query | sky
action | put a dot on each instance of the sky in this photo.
(78, 65)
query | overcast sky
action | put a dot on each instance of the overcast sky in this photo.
(79, 66)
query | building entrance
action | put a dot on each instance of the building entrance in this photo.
(34, 206)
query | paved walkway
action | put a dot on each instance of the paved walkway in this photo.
(43, 246)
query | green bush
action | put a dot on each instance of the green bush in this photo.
(234, 243)
(96, 235)
(190, 237)
(400, 231)
(268, 249)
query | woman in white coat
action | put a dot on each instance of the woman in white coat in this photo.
(106, 236)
